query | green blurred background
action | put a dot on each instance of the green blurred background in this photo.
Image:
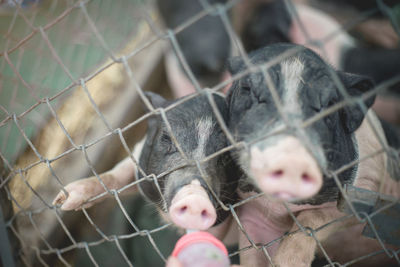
(76, 45)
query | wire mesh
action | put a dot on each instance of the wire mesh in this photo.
(65, 66)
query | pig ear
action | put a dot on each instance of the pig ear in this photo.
(235, 65)
(152, 128)
(356, 86)
(155, 99)
(148, 188)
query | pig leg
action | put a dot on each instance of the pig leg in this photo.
(79, 192)
(260, 230)
(379, 32)
(251, 257)
(352, 245)
(177, 79)
(388, 109)
(299, 249)
(226, 231)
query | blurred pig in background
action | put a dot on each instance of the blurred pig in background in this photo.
(375, 27)
(205, 45)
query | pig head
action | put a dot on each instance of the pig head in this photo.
(188, 186)
(285, 157)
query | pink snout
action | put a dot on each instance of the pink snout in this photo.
(286, 170)
(191, 208)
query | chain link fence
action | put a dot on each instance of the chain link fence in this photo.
(73, 77)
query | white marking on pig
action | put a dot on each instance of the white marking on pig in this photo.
(291, 72)
(204, 129)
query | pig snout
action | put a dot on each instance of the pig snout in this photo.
(286, 170)
(191, 208)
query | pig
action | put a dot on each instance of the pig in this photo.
(272, 22)
(291, 161)
(375, 30)
(189, 190)
(204, 45)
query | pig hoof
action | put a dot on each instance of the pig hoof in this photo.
(60, 199)
(70, 202)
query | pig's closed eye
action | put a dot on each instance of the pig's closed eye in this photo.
(245, 85)
(330, 119)
(245, 89)
(261, 98)
(315, 109)
(245, 97)
(168, 145)
(331, 103)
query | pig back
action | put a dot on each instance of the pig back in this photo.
(377, 171)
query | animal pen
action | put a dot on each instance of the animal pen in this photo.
(73, 77)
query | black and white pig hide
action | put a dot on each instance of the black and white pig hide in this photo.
(305, 134)
(193, 178)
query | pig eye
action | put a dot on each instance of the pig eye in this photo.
(330, 118)
(331, 103)
(245, 85)
(168, 144)
(329, 121)
(245, 89)
(331, 156)
(328, 100)
(261, 98)
(171, 149)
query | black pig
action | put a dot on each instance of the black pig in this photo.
(205, 44)
(290, 161)
(184, 194)
(271, 22)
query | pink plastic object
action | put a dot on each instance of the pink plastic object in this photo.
(201, 249)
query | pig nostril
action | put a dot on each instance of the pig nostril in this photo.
(306, 178)
(277, 174)
(204, 214)
(183, 209)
